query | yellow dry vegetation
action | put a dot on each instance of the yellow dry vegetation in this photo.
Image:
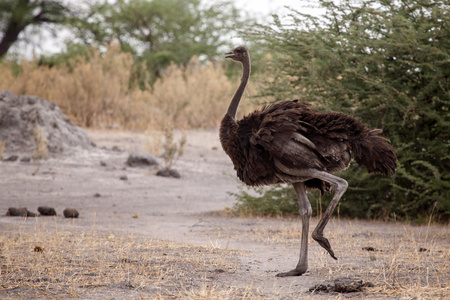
(47, 262)
(95, 91)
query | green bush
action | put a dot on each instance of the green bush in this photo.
(388, 64)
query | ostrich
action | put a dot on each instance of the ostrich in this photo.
(289, 142)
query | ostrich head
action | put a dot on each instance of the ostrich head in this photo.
(239, 54)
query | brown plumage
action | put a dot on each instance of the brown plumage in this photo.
(289, 142)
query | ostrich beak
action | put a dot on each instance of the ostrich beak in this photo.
(229, 55)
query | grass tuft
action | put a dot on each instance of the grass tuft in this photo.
(172, 150)
(2, 148)
(41, 150)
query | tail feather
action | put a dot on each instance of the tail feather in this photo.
(375, 153)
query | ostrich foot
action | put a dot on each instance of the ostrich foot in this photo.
(295, 272)
(324, 243)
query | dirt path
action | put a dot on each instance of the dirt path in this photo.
(182, 209)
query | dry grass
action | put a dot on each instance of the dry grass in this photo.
(153, 143)
(47, 262)
(41, 149)
(173, 150)
(96, 92)
(412, 262)
(2, 148)
(92, 92)
(407, 262)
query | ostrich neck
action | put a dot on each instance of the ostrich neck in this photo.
(232, 109)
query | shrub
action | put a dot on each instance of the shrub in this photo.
(387, 63)
(173, 150)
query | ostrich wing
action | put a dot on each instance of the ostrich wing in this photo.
(303, 138)
(290, 148)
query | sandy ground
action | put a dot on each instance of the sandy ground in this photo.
(180, 210)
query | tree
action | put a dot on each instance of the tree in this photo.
(387, 63)
(159, 32)
(17, 15)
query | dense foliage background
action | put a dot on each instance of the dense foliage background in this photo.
(387, 63)
(156, 32)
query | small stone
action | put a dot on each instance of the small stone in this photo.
(141, 159)
(25, 159)
(97, 195)
(46, 211)
(71, 213)
(219, 271)
(102, 163)
(163, 173)
(17, 212)
(20, 212)
(123, 177)
(11, 158)
(174, 173)
(168, 173)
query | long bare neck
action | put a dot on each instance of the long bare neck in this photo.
(238, 95)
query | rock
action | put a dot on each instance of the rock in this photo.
(174, 173)
(46, 211)
(20, 212)
(163, 173)
(11, 158)
(141, 159)
(123, 177)
(17, 212)
(70, 213)
(21, 115)
(168, 173)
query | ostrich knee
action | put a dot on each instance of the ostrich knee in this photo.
(305, 211)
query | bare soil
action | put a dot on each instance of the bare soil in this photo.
(187, 211)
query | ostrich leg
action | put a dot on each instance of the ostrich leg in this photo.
(305, 213)
(340, 186)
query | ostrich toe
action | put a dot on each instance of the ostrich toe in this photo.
(324, 243)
